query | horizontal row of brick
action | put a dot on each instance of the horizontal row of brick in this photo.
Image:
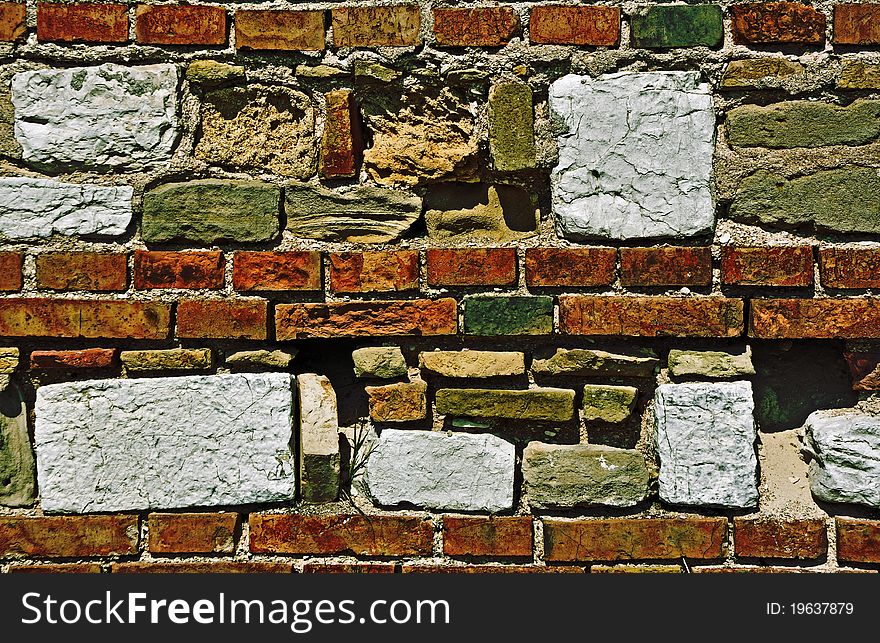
(510, 537)
(400, 25)
(398, 271)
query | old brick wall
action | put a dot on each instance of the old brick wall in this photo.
(404, 287)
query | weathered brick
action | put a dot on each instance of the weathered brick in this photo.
(421, 568)
(511, 126)
(82, 271)
(10, 271)
(767, 266)
(296, 270)
(339, 534)
(858, 74)
(540, 404)
(81, 318)
(558, 25)
(366, 318)
(501, 536)
(678, 26)
(857, 24)
(858, 541)
(636, 569)
(865, 370)
(850, 267)
(776, 23)
(180, 25)
(192, 533)
(269, 30)
(651, 316)
(512, 315)
(191, 270)
(173, 359)
(96, 23)
(13, 26)
(68, 536)
(779, 538)
(383, 271)
(676, 266)
(391, 26)
(815, 318)
(342, 143)
(349, 568)
(75, 359)
(477, 27)
(558, 267)
(400, 402)
(222, 319)
(634, 539)
(59, 568)
(471, 266)
(196, 567)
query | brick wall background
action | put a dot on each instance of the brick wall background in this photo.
(407, 287)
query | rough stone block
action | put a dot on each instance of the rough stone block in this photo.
(542, 404)
(511, 127)
(678, 26)
(511, 315)
(385, 362)
(401, 402)
(605, 403)
(587, 362)
(319, 439)
(174, 359)
(711, 364)
(17, 471)
(479, 212)
(472, 364)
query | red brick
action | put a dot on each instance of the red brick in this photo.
(777, 538)
(850, 267)
(634, 539)
(13, 24)
(712, 569)
(392, 26)
(68, 536)
(651, 316)
(501, 536)
(60, 568)
(471, 267)
(478, 27)
(191, 270)
(269, 30)
(342, 143)
(418, 568)
(98, 23)
(857, 24)
(75, 359)
(10, 271)
(767, 266)
(84, 318)
(858, 540)
(683, 266)
(815, 318)
(212, 319)
(298, 270)
(558, 267)
(340, 534)
(180, 25)
(558, 25)
(193, 533)
(636, 569)
(82, 271)
(196, 567)
(777, 22)
(365, 319)
(382, 271)
(348, 568)
(865, 370)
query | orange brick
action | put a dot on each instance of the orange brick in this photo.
(210, 319)
(418, 568)
(651, 316)
(857, 24)
(180, 25)
(382, 271)
(82, 271)
(777, 23)
(391, 26)
(10, 271)
(68, 536)
(192, 270)
(560, 25)
(367, 318)
(771, 538)
(96, 23)
(471, 267)
(342, 143)
(558, 267)
(272, 271)
(193, 533)
(195, 567)
(767, 266)
(858, 540)
(84, 318)
(13, 25)
(677, 266)
(348, 568)
(75, 359)
(340, 534)
(269, 30)
(815, 318)
(850, 267)
(500, 536)
(60, 568)
(478, 27)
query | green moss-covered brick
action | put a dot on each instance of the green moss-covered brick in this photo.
(678, 26)
(508, 315)
(543, 404)
(511, 126)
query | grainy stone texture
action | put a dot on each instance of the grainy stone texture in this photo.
(17, 488)
(758, 73)
(9, 359)
(401, 402)
(319, 439)
(476, 364)
(562, 476)
(515, 315)
(710, 364)
(865, 370)
(108, 445)
(592, 363)
(210, 73)
(260, 359)
(678, 26)
(385, 362)
(98, 118)
(844, 467)
(543, 404)
(606, 403)
(511, 126)
(174, 359)
(480, 212)
(615, 177)
(9, 147)
(857, 74)
(451, 472)
(365, 214)
(31, 208)
(706, 444)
